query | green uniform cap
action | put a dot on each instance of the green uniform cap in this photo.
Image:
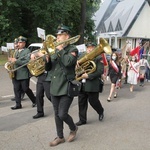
(22, 39)
(16, 40)
(62, 28)
(90, 44)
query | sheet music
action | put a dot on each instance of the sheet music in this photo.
(4, 49)
(41, 33)
(81, 48)
(10, 45)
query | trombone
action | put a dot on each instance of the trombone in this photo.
(51, 43)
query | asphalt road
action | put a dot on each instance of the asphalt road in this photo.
(126, 125)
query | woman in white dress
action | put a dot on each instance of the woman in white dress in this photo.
(133, 72)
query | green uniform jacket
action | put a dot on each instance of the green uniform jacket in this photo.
(22, 73)
(63, 69)
(93, 82)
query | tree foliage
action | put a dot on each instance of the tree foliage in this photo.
(23, 17)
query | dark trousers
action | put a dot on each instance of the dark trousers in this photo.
(61, 106)
(93, 98)
(22, 92)
(20, 85)
(147, 73)
(14, 87)
(41, 87)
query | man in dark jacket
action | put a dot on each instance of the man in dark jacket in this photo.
(16, 49)
(22, 75)
(63, 69)
(90, 89)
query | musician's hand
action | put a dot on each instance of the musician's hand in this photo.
(73, 53)
(77, 65)
(13, 59)
(47, 58)
(32, 56)
(85, 76)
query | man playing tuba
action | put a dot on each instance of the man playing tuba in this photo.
(90, 89)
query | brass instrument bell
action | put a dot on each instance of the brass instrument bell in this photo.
(86, 63)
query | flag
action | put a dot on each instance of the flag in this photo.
(136, 52)
(141, 52)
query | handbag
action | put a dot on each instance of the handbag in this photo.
(73, 88)
(101, 85)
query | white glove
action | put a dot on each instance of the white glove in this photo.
(107, 78)
(83, 80)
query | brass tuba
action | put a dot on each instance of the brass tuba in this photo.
(37, 66)
(9, 65)
(86, 63)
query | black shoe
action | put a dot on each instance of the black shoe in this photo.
(80, 123)
(38, 115)
(34, 104)
(16, 107)
(101, 116)
(13, 99)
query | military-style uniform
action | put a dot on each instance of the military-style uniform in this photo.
(63, 69)
(22, 76)
(43, 85)
(63, 63)
(13, 79)
(90, 92)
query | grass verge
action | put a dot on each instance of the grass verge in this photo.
(3, 59)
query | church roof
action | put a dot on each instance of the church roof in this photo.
(119, 17)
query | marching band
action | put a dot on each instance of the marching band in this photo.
(58, 62)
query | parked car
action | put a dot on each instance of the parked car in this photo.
(35, 46)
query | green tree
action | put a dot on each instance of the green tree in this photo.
(23, 17)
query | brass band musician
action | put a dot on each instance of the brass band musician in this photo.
(63, 69)
(90, 89)
(22, 75)
(15, 49)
